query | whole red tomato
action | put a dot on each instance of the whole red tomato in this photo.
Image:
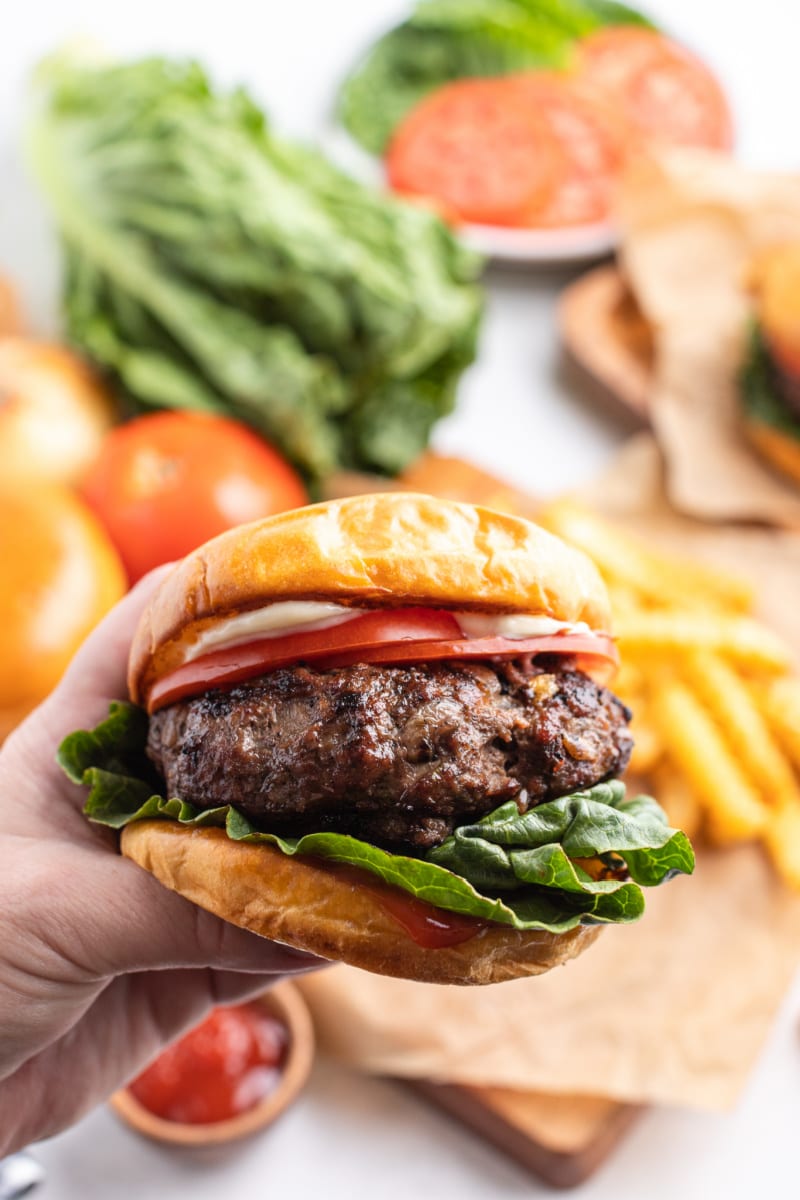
(166, 482)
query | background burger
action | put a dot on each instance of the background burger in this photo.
(770, 379)
(375, 729)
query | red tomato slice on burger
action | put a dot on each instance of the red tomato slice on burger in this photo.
(384, 636)
(666, 93)
(582, 646)
(593, 136)
(475, 150)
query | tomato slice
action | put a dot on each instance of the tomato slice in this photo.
(666, 93)
(583, 646)
(232, 664)
(593, 136)
(385, 636)
(474, 149)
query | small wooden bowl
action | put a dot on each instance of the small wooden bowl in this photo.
(284, 1002)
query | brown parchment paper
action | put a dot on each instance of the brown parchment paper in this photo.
(671, 1010)
(692, 222)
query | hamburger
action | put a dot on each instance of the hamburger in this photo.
(378, 729)
(770, 377)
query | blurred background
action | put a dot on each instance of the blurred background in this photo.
(620, 388)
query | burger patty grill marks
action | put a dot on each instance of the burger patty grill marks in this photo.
(396, 755)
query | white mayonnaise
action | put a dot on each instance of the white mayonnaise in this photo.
(303, 616)
(515, 625)
(273, 620)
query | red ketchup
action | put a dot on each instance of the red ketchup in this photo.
(430, 927)
(223, 1067)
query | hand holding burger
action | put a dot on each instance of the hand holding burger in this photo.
(100, 966)
(376, 730)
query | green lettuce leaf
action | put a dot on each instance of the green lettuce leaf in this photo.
(760, 397)
(524, 871)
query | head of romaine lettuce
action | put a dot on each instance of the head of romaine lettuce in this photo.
(210, 264)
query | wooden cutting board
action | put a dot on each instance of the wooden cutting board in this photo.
(560, 1139)
(606, 335)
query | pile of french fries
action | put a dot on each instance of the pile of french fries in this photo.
(716, 705)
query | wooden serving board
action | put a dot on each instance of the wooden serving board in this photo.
(606, 335)
(560, 1139)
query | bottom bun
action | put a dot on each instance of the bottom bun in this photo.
(300, 903)
(780, 449)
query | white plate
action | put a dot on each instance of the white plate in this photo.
(524, 246)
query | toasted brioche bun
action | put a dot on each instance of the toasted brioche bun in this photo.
(300, 903)
(386, 550)
(780, 449)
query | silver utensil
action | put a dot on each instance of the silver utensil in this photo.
(19, 1174)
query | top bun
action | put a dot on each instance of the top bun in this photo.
(392, 549)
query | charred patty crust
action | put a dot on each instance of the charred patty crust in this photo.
(396, 755)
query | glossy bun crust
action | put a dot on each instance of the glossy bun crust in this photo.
(301, 903)
(389, 549)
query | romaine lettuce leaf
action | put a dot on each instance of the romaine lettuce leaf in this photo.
(528, 871)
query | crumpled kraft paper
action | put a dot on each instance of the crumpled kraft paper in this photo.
(671, 1010)
(692, 222)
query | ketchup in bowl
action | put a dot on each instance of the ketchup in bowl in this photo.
(223, 1067)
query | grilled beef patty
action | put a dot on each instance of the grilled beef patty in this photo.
(396, 755)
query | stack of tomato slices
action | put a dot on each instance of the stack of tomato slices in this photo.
(391, 636)
(545, 150)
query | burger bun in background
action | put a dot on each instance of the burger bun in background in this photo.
(54, 411)
(61, 575)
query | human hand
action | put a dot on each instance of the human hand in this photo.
(100, 966)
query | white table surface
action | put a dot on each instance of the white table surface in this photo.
(521, 415)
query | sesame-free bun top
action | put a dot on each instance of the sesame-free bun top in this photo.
(392, 549)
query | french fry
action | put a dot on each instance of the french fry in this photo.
(693, 584)
(658, 578)
(676, 796)
(720, 751)
(781, 703)
(782, 837)
(742, 640)
(647, 744)
(733, 807)
(629, 682)
(625, 602)
(728, 699)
